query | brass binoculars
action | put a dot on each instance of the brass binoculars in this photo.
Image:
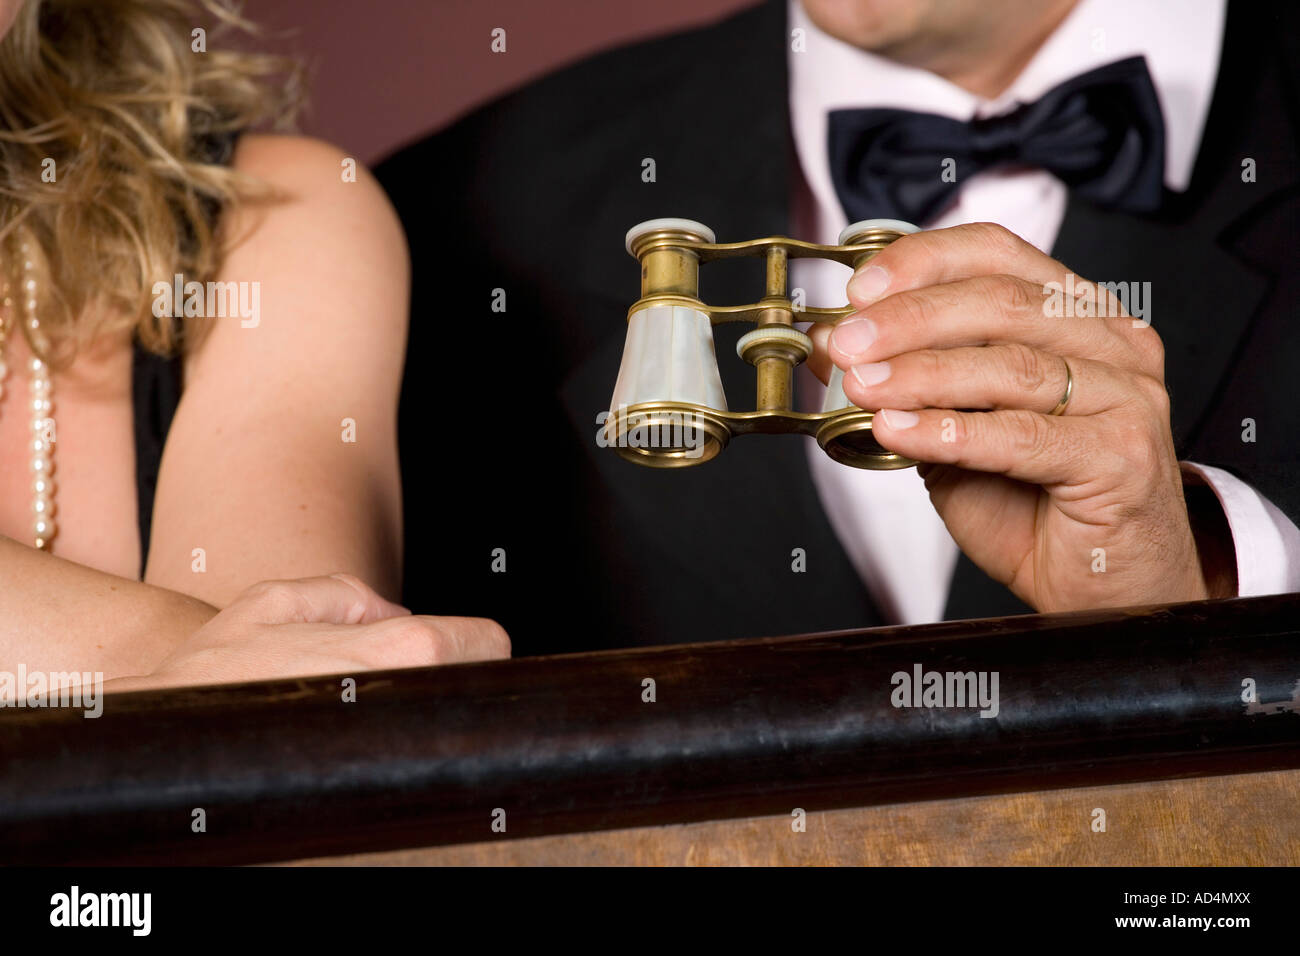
(668, 409)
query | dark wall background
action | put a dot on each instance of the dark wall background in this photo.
(387, 70)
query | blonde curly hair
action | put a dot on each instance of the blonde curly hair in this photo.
(112, 167)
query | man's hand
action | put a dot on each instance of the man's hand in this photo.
(953, 340)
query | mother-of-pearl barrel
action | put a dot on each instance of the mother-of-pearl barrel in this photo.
(669, 357)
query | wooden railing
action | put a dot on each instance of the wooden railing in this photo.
(530, 747)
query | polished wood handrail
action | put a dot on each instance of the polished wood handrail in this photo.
(286, 769)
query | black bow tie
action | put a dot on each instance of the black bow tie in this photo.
(1100, 133)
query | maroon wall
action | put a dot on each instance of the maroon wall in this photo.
(388, 70)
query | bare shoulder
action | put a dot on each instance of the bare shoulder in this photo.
(326, 253)
(310, 170)
(318, 185)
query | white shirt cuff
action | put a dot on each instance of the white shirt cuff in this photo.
(1266, 541)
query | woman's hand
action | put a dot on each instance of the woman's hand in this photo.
(316, 626)
(956, 338)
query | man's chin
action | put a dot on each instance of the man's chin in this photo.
(873, 25)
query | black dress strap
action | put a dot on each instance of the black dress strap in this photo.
(156, 380)
(155, 394)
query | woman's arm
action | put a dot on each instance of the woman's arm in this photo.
(282, 458)
(260, 471)
(56, 615)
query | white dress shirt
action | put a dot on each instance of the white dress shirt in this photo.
(884, 519)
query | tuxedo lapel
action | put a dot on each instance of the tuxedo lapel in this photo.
(1206, 288)
(713, 146)
(1201, 297)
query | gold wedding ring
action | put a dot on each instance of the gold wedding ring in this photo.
(1069, 387)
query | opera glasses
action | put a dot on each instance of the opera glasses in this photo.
(668, 408)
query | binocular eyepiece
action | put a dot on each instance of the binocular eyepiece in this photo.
(669, 410)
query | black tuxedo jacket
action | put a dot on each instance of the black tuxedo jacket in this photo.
(532, 195)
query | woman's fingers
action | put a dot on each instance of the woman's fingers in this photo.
(313, 627)
(376, 607)
(230, 651)
(394, 643)
(421, 641)
(336, 599)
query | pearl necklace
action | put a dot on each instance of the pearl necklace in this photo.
(41, 394)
